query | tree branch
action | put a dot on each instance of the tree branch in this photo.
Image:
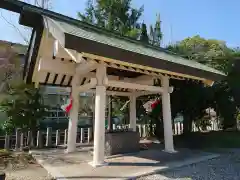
(15, 27)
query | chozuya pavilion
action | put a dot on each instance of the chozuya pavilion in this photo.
(67, 52)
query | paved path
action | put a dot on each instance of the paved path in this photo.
(75, 165)
(225, 167)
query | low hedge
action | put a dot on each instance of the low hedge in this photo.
(214, 139)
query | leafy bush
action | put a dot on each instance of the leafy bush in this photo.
(214, 139)
(203, 123)
(24, 108)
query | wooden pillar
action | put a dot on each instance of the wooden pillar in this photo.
(73, 118)
(133, 115)
(99, 126)
(167, 116)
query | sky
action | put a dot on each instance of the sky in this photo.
(213, 19)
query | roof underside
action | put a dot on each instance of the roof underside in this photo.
(84, 38)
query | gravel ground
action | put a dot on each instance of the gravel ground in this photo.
(33, 172)
(225, 167)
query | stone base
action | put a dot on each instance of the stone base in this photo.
(171, 152)
(98, 165)
(67, 151)
(121, 142)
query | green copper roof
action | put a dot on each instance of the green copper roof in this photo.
(125, 44)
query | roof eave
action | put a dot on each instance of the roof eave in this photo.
(103, 50)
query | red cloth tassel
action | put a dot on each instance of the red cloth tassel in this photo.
(154, 105)
(69, 106)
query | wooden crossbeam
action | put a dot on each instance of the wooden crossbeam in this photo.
(134, 86)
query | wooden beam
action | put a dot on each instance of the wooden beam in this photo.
(58, 67)
(88, 86)
(123, 63)
(134, 86)
(86, 67)
(77, 57)
(92, 91)
(65, 53)
(42, 46)
(144, 79)
(112, 93)
(145, 93)
(208, 82)
(63, 67)
(45, 50)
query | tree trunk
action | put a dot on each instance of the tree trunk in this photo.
(187, 124)
(159, 131)
(110, 123)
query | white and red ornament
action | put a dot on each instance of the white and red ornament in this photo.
(150, 105)
(68, 106)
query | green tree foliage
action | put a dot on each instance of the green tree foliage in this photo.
(197, 97)
(23, 106)
(89, 15)
(144, 34)
(234, 76)
(156, 33)
(210, 52)
(114, 15)
(120, 108)
(190, 99)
